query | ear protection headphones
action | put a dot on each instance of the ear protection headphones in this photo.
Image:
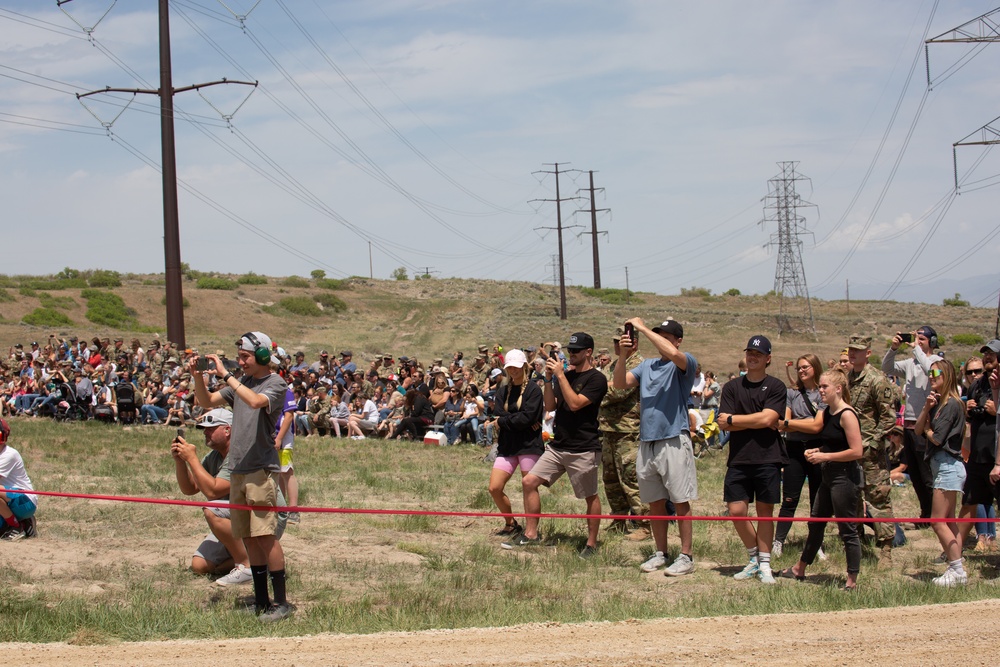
(932, 340)
(4, 432)
(261, 354)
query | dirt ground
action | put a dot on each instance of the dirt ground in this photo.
(909, 635)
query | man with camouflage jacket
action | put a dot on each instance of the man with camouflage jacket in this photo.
(872, 397)
(618, 422)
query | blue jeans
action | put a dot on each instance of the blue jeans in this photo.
(471, 422)
(154, 413)
(24, 401)
(986, 527)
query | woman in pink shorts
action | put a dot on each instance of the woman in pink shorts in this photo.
(518, 420)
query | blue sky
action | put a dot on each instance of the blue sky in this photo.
(417, 126)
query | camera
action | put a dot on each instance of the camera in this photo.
(906, 337)
(977, 411)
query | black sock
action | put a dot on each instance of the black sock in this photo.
(260, 599)
(278, 584)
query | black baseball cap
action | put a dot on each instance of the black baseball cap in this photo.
(759, 344)
(580, 341)
(672, 327)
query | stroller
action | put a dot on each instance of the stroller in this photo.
(69, 407)
(128, 412)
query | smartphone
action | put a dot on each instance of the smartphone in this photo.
(906, 337)
(201, 364)
(630, 332)
(553, 355)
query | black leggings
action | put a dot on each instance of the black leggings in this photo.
(415, 426)
(793, 478)
(838, 496)
(919, 469)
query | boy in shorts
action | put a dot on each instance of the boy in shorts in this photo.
(16, 509)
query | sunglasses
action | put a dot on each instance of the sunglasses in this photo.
(935, 372)
(803, 368)
(974, 371)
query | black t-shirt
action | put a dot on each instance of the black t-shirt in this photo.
(982, 425)
(743, 397)
(576, 431)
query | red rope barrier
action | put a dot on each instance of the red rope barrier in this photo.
(401, 512)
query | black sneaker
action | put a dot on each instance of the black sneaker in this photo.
(511, 530)
(521, 540)
(30, 527)
(587, 552)
(275, 613)
(13, 535)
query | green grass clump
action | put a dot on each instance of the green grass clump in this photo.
(5, 296)
(330, 302)
(104, 278)
(49, 301)
(252, 279)
(300, 305)
(27, 291)
(295, 281)
(333, 283)
(46, 317)
(184, 304)
(611, 295)
(967, 339)
(108, 309)
(215, 282)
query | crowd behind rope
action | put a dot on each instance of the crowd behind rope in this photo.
(940, 433)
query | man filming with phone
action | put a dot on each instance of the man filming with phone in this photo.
(913, 372)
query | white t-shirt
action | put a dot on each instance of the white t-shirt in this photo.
(370, 411)
(12, 472)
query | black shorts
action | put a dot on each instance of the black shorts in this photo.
(760, 482)
(978, 488)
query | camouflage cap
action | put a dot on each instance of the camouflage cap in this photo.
(859, 342)
(619, 332)
(484, 349)
(603, 350)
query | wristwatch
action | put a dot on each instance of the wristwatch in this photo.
(786, 423)
(729, 419)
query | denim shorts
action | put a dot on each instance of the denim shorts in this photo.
(948, 472)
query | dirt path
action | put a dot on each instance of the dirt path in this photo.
(924, 635)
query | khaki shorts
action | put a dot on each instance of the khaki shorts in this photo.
(582, 468)
(666, 471)
(257, 488)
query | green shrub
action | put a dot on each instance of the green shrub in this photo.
(27, 291)
(108, 309)
(611, 295)
(46, 317)
(215, 282)
(155, 281)
(968, 339)
(733, 292)
(102, 278)
(957, 300)
(317, 274)
(399, 273)
(696, 291)
(333, 283)
(49, 301)
(295, 281)
(252, 279)
(300, 305)
(6, 297)
(331, 302)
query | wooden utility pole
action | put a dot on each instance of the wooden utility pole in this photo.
(593, 210)
(559, 230)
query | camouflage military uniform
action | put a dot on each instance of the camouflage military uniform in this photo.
(872, 398)
(367, 390)
(480, 376)
(618, 421)
(319, 413)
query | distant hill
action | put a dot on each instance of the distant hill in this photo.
(434, 317)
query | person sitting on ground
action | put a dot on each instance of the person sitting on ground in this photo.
(219, 551)
(16, 509)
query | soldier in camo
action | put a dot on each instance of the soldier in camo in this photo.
(385, 369)
(319, 411)
(873, 397)
(618, 421)
(480, 371)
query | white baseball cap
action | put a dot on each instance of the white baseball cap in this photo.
(216, 417)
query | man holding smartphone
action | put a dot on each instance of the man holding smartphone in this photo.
(257, 401)
(916, 387)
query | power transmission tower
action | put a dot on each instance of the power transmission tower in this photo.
(593, 210)
(559, 230)
(171, 228)
(555, 269)
(782, 206)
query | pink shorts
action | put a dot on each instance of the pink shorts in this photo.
(510, 463)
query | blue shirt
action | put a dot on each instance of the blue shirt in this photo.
(663, 396)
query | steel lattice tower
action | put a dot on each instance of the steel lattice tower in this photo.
(782, 206)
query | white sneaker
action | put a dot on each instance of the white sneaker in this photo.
(357, 437)
(749, 572)
(821, 554)
(766, 576)
(655, 562)
(776, 549)
(238, 575)
(951, 578)
(681, 566)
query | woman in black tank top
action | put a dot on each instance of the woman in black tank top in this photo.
(839, 434)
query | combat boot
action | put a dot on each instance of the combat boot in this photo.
(885, 555)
